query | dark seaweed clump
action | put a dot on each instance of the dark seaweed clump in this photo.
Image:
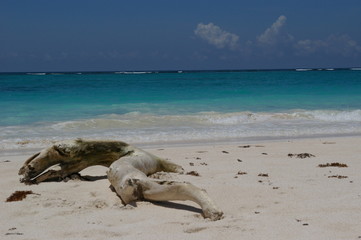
(193, 173)
(18, 196)
(337, 176)
(301, 155)
(336, 164)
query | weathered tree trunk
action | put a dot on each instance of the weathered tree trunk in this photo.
(129, 168)
(129, 178)
(66, 158)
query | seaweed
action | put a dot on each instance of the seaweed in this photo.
(18, 196)
(193, 173)
(337, 176)
(336, 164)
(301, 155)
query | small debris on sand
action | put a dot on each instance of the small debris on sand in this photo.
(337, 176)
(193, 173)
(304, 224)
(25, 142)
(241, 173)
(245, 146)
(225, 152)
(263, 175)
(301, 155)
(7, 234)
(13, 233)
(336, 164)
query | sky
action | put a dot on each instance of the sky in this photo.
(121, 35)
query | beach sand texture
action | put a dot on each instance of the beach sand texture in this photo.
(265, 189)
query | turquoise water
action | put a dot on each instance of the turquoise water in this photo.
(157, 107)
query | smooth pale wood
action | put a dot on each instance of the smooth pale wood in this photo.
(128, 176)
(128, 170)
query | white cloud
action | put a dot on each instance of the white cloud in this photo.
(215, 36)
(306, 47)
(275, 42)
(342, 45)
(270, 36)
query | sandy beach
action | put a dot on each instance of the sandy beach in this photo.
(266, 190)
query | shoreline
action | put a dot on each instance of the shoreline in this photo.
(250, 140)
(180, 144)
(152, 130)
(265, 193)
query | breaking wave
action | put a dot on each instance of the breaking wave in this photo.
(146, 129)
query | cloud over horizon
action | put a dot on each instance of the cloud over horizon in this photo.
(271, 34)
(275, 41)
(216, 36)
(341, 44)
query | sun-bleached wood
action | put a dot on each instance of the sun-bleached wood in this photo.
(129, 168)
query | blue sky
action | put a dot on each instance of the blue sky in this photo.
(116, 35)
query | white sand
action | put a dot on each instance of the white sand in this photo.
(297, 200)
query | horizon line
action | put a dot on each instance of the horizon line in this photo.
(179, 71)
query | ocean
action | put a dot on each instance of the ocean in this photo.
(178, 107)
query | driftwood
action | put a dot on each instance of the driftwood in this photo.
(129, 168)
(66, 158)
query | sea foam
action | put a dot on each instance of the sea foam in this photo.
(140, 128)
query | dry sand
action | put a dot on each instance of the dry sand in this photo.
(264, 193)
